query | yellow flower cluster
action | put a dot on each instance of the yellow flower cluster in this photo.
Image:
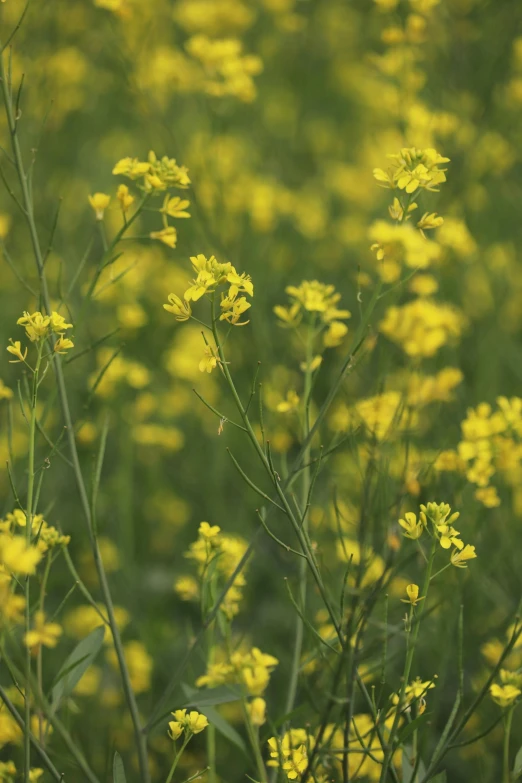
(413, 169)
(397, 245)
(421, 327)
(210, 276)
(228, 71)
(39, 327)
(48, 536)
(191, 723)
(154, 174)
(292, 749)
(491, 442)
(250, 669)
(385, 414)
(507, 693)
(226, 551)
(441, 529)
(320, 301)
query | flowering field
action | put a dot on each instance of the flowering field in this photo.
(260, 391)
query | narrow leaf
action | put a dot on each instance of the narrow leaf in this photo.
(76, 665)
(409, 728)
(517, 769)
(212, 696)
(118, 770)
(224, 728)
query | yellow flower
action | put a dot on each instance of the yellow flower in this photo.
(296, 763)
(257, 711)
(233, 309)
(209, 360)
(63, 344)
(186, 587)
(208, 531)
(412, 528)
(289, 316)
(16, 349)
(460, 558)
(179, 307)
(448, 536)
(46, 634)
(504, 695)
(18, 556)
(430, 220)
(335, 334)
(412, 591)
(175, 207)
(131, 168)
(36, 325)
(35, 774)
(169, 236)
(175, 729)
(124, 197)
(290, 404)
(58, 323)
(99, 202)
(195, 722)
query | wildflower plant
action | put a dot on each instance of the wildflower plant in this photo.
(335, 619)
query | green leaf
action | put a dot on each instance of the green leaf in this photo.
(118, 770)
(407, 768)
(409, 728)
(517, 769)
(224, 728)
(211, 696)
(213, 715)
(76, 665)
(440, 778)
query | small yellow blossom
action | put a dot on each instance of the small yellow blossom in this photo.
(412, 528)
(504, 695)
(257, 711)
(125, 198)
(179, 307)
(168, 235)
(18, 556)
(209, 360)
(208, 531)
(63, 344)
(412, 591)
(99, 202)
(46, 634)
(430, 220)
(290, 404)
(459, 558)
(16, 349)
(175, 207)
(193, 723)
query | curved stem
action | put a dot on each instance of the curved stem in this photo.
(506, 776)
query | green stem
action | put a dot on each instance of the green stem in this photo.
(301, 534)
(412, 644)
(141, 743)
(305, 490)
(211, 729)
(506, 776)
(177, 758)
(254, 741)
(28, 538)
